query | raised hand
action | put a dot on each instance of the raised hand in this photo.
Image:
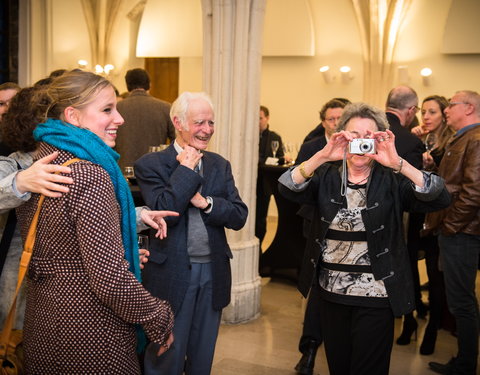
(40, 178)
(189, 157)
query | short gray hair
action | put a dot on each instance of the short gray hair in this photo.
(471, 97)
(363, 110)
(402, 98)
(180, 106)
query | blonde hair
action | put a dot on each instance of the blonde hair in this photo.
(74, 89)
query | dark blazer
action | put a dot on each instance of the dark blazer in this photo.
(167, 185)
(310, 148)
(408, 145)
(388, 196)
(319, 131)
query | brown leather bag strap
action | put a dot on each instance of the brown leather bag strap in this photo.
(24, 262)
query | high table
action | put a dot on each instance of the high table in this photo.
(284, 256)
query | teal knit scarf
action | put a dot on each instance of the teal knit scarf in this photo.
(86, 145)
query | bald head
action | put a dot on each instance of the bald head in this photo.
(403, 102)
(402, 97)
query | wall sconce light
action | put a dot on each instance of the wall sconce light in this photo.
(426, 74)
(403, 76)
(327, 74)
(82, 64)
(99, 69)
(346, 73)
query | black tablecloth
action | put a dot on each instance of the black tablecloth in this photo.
(284, 256)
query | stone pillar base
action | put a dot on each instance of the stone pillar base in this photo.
(246, 284)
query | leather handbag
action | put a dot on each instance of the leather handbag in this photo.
(11, 348)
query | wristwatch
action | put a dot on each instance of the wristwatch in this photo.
(209, 204)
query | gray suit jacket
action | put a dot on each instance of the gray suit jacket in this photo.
(147, 123)
(167, 185)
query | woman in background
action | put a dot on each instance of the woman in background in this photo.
(435, 134)
(434, 131)
(83, 293)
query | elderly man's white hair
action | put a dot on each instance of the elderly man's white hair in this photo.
(180, 106)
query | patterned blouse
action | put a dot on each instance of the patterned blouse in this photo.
(345, 274)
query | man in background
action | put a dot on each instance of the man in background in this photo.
(459, 228)
(147, 119)
(401, 110)
(317, 139)
(265, 151)
(319, 130)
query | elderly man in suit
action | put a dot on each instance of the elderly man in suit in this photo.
(190, 268)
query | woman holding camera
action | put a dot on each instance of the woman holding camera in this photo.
(358, 256)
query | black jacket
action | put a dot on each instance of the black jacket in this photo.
(388, 196)
(265, 146)
(408, 145)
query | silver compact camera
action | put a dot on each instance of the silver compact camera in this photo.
(362, 146)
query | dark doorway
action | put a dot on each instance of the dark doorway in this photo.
(164, 77)
(8, 41)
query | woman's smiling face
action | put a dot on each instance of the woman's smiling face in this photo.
(101, 116)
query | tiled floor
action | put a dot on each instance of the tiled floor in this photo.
(268, 345)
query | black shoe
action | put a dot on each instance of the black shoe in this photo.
(441, 368)
(409, 327)
(422, 310)
(429, 339)
(307, 362)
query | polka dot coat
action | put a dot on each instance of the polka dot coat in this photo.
(82, 302)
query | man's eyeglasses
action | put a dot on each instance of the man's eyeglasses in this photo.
(416, 108)
(332, 119)
(451, 104)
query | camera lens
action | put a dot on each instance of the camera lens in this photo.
(365, 147)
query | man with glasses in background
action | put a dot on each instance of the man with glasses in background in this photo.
(459, 228)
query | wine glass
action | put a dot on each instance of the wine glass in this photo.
(275, 145)
(142, 241)
(128, 172)
(430, 141)
(154, 149)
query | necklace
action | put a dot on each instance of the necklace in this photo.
(359, 182)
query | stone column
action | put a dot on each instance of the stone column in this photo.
(232, 64)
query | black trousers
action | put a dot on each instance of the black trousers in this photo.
(358, 340)
(312, 327)
(263, 200)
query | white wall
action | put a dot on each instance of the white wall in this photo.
(293, 88)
